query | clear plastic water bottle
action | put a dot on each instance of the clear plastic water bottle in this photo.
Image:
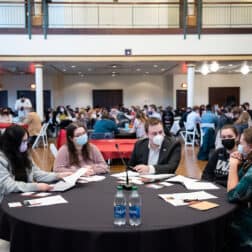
(135, 207)
(119, 207)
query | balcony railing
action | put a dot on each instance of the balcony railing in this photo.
(165, 16)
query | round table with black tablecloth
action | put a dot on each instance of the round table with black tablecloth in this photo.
(86, 223)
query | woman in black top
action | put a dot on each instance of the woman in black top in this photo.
(217, 167)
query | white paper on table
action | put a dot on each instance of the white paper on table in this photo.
(181, 179)
(165, 184)
(93, 178)
(201, 186)
(15, 204)
(27, 193)
(177, 199)
(62, 186)
(123, 174)
(75, 176)
(157, 176)
(46, 201)
(42, 194)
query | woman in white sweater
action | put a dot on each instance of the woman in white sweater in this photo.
(17, 171)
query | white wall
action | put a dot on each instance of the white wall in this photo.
(137, 90)
(216, 80)
(12, 83)
(114, 45)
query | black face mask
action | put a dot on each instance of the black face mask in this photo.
(228, 143)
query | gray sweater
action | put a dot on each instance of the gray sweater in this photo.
(8, 184)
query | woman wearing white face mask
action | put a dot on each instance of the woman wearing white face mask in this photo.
(239, 189)
(17, 171)
(78, 153)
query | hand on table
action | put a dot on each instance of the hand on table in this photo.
(142, 169)
(44, 187)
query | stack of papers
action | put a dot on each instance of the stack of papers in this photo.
(46, 201)
(181, 199)
(192, 184)
(69, 181)
(94, 178)
(157, 176)
(122, 175)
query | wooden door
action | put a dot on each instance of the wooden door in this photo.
(224, 95)
(181, 98)
(107, 98)
(3, 99)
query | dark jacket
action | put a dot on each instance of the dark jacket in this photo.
(169, 155)
(217, 167)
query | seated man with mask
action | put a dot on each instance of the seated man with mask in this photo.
(157, 153)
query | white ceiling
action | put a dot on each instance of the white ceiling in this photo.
(114, 68)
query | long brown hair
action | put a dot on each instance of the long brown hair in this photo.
(73, 153)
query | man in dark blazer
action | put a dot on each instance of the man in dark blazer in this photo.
(157, 153)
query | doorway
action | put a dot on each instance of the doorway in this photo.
(181, 99)
(32, 96)
(3, 99)
(107, 98)
(228, 96)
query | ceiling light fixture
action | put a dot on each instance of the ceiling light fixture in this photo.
(33, 86)
(245, 68)
(214, 66)
(183, 85)
(204, 69)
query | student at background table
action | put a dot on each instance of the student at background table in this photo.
(17, 171)
(217, 167)
(78, 153)
(239, 189)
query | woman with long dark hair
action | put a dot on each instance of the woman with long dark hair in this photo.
(79, 153)
(17, 171)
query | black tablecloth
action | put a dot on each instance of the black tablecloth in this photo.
(86, 223)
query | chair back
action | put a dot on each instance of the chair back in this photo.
(105, 135)
(42, 135)
(53, 149)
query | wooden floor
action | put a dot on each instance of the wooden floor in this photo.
(189, 165)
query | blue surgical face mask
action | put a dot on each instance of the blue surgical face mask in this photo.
(82, 140)
(241, 151)
(24, 146)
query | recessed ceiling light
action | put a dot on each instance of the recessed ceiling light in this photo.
(204, 69)
(138, 69)
(79, 72)
(73, 66)
(90, 69)
(230, 65)
(113, 72)
(245, 68)
(155, 66)
(114, 66)
(162, 69)
(214, 67)
(146, 72)
(64, 70)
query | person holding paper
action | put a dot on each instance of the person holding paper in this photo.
(239, 189)
(157, 153)
(217, 167)
(79, 153)
(17, 171)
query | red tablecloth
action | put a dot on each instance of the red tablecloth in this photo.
(6, 125)
(106, 146)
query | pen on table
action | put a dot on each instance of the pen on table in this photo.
(190, 200)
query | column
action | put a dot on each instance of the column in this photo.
(190, 85)
(39, 90)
